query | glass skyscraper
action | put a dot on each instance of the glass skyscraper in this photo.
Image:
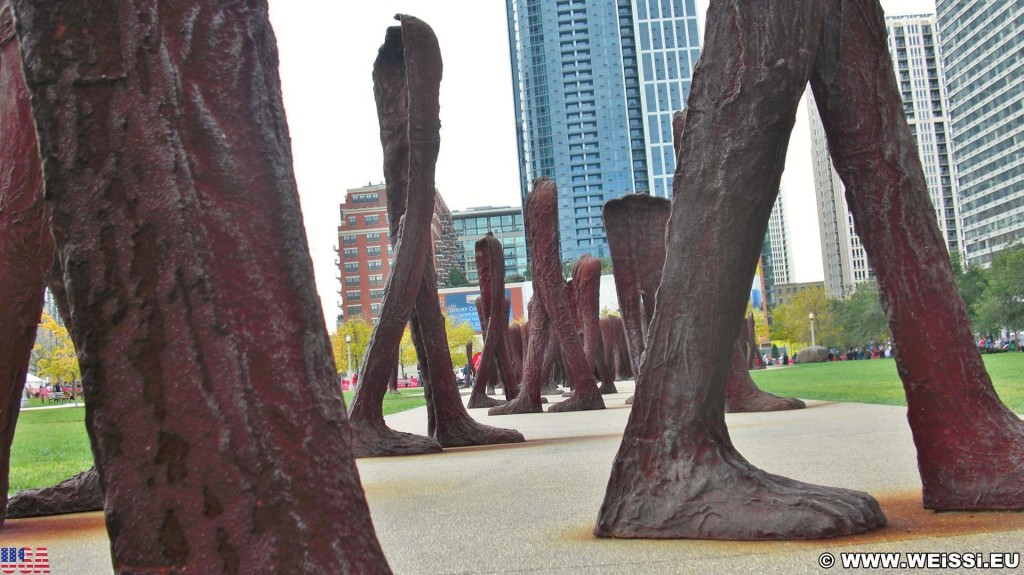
(982, 47)
(596, 83)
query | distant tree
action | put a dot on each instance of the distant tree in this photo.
(457, 278)
(861, 317)
(360, 332)
(54, 357)
(406, 351)
(791, 321)
(458, 334)
(971, 283)
(606, 266)
(1001, 304)
(607, 311)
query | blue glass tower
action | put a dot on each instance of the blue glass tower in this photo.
(596, 83)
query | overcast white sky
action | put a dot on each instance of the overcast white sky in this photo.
(327, 51)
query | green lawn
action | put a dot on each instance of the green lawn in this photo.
(876, 381)
(51, 445)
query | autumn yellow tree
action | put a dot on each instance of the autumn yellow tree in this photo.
(360, 332)
(406, 350)
(458, 334)
(54, 356)
(791, 321)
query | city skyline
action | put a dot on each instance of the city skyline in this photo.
(327, 52)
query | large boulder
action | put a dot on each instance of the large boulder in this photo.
(812, 354)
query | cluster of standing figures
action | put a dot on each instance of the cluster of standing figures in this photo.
(170, 228)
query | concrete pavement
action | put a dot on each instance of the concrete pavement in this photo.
(530, 508)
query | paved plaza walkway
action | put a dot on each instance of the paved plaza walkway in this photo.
(530, 508)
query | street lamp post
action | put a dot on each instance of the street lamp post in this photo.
(348, 346)
(811, 317)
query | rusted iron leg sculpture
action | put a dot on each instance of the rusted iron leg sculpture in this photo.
(541, 215)
(540, 352)
(214, 414)
(514, 339)
(751, 351)
(742, 394)
(970, 447)
(495, 358)
(26, 246)
(616, 352)
(633, 224)
(406, 93)
(451, 425)
(677, 474)
(483, 387)
(586, 284)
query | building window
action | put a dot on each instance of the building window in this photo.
(348, 238)
(373, 252)
(351, 266)
(374, 266)
(375, 237)
(351, 220)
(353, 295)
(366, 199)
(375, 308)
(371, 220)
(376, 294)
(352, 281)
(351, 253)
(376, 280)
(354, 310)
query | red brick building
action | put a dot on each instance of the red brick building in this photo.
(365, 252)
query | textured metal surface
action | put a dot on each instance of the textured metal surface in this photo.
(677, 474)
(26, 246)
(214, 412)
(970, 447)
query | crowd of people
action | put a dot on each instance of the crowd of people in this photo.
(1009, 342)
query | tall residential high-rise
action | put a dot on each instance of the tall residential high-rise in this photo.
(912, 47)
(778, 240)
(365, 252)
(982, 48)
(775, 263)
(595, 85)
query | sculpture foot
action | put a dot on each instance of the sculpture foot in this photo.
(762, 401)
(466, 431)
(567, 393)
(76, 494)
(715, 494)
(521, 404)
(743, 395)
(585, 402)
(608, 388)
(980, 471)
(477, 401)
(379, 440)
